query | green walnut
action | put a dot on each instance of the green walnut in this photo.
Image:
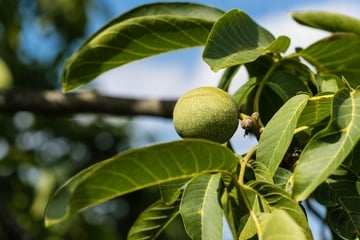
(208, 113)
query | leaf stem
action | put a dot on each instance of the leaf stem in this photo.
(243, 164)
(262, 84)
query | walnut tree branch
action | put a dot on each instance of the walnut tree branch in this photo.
(57, 103)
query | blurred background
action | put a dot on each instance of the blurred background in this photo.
(38, 153)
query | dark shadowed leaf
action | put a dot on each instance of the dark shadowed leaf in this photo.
(286, 84)
(137, 169)
(345, 220)
(242, 93)
(200, 208)
(227, 77)
(236, 39)
(140, 33)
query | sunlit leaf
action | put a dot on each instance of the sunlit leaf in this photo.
(345, 220)
(273, 197)
(318, 109)
(338, 54)
(236, 39)
(329, 83)
(278, 133)
(250, 223)
(200, 208)
(152, 221)
(262, 173)
(278, 225)
(270, 198)
(332, 22)
(140, 33)
(137, 169)
(329, 147)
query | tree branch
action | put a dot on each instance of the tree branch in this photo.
(57, 103)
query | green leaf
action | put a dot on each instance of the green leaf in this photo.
(329, 192)
(272, 198)
(329, 147)
(329, 83)
(352, 161)
(236, 39)
(227, 77)
(152, 221)
(278, 133)
(318, 109)
(262, 173)
(140, 33)
(171, 191)
(234, 209)
(137, 169)
(345, 220)
(332, 22)
(200, 208)
(286, 84)
(338, 54)
(274, 227)
(281, 178)
(242, 93)
(251, 223)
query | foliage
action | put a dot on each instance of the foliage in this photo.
(307, 130)
(314, 111)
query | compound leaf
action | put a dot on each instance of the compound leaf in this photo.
(328, 148)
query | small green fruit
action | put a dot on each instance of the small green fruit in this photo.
(206, 112)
